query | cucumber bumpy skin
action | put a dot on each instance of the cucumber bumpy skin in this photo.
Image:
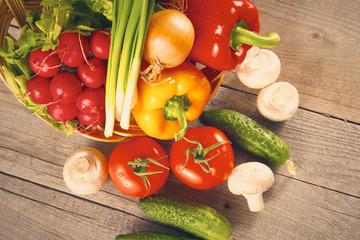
(248, 134)
(151, 236)
(196, 219)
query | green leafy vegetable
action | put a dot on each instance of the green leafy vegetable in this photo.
(102, 6)
(67, 15)
(33, 16)
(17, 58)
(83, 16)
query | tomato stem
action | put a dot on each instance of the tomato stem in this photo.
(140, 166)
(200, 154)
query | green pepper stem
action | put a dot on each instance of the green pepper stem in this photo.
(175, 109)
(183, 126)
(241, 36)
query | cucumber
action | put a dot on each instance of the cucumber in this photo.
(248, 134)
(151, 236)
(196, 219)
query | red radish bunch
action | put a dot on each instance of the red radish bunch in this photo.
(92, 73)
(73, 49)
(100, 44)
(44, 63)
(38, 89)
(79, 93)
(65, 87)
(91, 103)
(63, 111)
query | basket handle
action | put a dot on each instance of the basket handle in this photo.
(18, 10)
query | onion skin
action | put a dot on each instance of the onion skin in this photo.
(169, 39)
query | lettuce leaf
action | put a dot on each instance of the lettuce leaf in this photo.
(101, 6)
(18, 58)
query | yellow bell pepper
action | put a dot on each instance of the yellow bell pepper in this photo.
(163, 107)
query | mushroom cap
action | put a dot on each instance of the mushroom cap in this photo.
(250, 178)
(85, 171)
(278, 101)
(260, 68)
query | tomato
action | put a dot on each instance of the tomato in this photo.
(206, 143)
(139, 167)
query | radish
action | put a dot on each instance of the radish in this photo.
(63, 112)
(91, 103)
(93, 73)
(38, 88)
(91, 100)
(73, 48)
(100, 43)
(65, 87)
(91, 119)
(44, 63)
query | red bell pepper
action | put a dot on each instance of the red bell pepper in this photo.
(222, 26)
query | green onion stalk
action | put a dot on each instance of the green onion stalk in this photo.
(129, 27)
(134, 70)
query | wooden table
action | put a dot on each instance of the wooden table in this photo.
(320, 55)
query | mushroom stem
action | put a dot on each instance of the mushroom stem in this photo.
(82, 165)
(251, 179)
(255, 202)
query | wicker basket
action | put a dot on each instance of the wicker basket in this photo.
(16, 10)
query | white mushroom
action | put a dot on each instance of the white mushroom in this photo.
(251, 179)
(260, 68)
(85, 171)
(278, 102)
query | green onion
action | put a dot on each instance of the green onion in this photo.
(134, 70)
(130, 23)
(120, 11)
(126, 55)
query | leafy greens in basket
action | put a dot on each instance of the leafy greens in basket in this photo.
(82, 16)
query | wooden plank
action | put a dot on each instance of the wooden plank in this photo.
(293, 210)
(32, 211)
(319, 53)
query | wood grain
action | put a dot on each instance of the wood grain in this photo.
(39, 212)
(319, 51)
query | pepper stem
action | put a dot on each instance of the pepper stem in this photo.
(240, 35)
(175, 109)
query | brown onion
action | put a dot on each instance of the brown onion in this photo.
(169, 40)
